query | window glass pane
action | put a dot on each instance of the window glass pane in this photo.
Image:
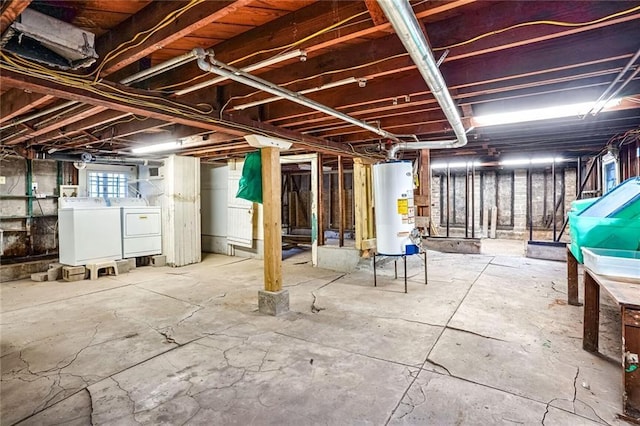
(105, 184)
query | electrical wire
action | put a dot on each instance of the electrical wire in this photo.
(125, 97)
(129, 98)
(283, 49)
(471, 40)
(541, 22)
(120, 49)
(302, 40)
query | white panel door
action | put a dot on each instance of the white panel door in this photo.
(240, 214)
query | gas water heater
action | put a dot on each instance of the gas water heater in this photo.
(394, 209)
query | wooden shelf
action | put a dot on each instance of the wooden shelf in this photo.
(18, 217)
(25, 197)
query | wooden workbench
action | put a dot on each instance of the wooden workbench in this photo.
(572, 279)
(627, 295)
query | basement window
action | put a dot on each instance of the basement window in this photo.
(107, 184)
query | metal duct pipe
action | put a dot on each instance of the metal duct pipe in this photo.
(103, 160)
(224, 70)
(622, 72)
(618, 90)
(405, 23)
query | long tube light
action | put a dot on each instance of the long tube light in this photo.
(455, 165)
(546, 113)
(302, 92)
(224, 70)
(160, 147)
(531, 161)
(298, 53)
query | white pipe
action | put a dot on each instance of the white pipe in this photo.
(622, 72)
(224, 70)
(164, 66)
(618, 90)
(39, 114)
(405, 23)
(298, 53)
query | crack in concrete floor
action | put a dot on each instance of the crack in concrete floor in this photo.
(167, 331)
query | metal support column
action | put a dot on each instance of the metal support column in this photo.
(553, 172)
(448, 195)
(466, 202)
(530, 201)
(473, 201)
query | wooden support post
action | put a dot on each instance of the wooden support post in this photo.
(572, 279)
(271, 181)
(341, 202)
(320, 205)
(363, 205)
(591, 313)
(371, 226)
(631, 345)
(359, 191)
(424, 174)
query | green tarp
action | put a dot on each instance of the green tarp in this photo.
(250, 186)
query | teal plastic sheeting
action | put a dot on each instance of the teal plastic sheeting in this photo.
(250, 185)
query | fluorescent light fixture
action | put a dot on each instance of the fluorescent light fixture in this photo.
(160, 147)
(577, 110)
(455, 165)
(298, 53)
(301, 92)
(528, 161)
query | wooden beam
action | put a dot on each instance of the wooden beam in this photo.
(320, 201)
(182, 23)
(424, 189)
(15, 102)
(11, 9)
(81, 125)
(375, 11)
(61, 122)
(188, 22)
(311, 19)
(522, 61)
(127, 99)
(271, 207)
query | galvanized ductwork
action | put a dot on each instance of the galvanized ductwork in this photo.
(405, 23)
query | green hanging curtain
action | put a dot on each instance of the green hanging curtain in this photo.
(250, 186)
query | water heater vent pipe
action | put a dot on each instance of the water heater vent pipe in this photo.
(404, 21)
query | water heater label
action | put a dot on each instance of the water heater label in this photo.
(403, 206)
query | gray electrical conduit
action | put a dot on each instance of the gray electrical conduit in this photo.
(216, 67)
(404, 22)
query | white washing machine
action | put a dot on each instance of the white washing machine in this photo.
(88, 231)
(141, 231)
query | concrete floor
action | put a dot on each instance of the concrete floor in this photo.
(489, 340)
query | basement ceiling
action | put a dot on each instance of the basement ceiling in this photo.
(497, 57)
